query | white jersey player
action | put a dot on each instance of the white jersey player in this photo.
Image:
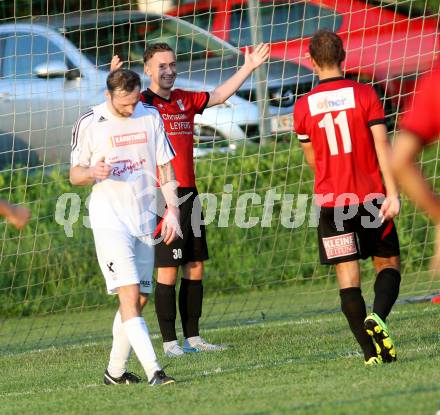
(117, 147)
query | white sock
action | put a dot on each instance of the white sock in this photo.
(121, 349)
(137, 333)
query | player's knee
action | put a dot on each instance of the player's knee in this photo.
(129, 299)
(194, 270)
(381, 263)
(167, 275)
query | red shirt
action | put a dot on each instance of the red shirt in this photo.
(177, 114)
(336, 117)
(422, 112)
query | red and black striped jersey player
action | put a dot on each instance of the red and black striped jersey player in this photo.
(341, 127)
(178, 109)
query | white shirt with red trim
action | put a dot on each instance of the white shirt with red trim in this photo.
(134, 146)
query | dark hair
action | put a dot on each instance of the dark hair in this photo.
(153, 48)
(326, 49)
(124, 80)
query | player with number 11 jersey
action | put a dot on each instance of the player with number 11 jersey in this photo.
(336, 117)
(341, 127)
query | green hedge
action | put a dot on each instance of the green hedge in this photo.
(43, 270)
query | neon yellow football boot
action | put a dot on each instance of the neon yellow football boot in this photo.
(378, 330)
(373, 361)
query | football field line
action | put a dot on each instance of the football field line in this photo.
(336, 316)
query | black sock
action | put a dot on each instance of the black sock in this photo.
(190, 306)
(165, 303)
(353, 306)
(386, 290)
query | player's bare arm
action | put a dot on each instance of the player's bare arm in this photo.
(391, 206)
(406, 149)
(251, 62)
(170, 226)
(405, 153)
(83, 176)
(16, 215)
(309, 154)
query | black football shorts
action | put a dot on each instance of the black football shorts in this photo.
(345, 235)
(190, 248)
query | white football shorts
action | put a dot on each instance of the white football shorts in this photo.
(124, 259)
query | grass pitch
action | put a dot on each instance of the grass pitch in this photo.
(300, 366)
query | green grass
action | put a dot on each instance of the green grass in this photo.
(302, 366)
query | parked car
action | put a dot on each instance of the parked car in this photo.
(201, 57)
(384, 44)
(53, 69)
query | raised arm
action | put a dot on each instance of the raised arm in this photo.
(391, 206)
(251, 61)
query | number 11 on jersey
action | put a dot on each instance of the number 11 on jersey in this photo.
(328, 123)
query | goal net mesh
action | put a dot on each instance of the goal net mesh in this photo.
(255, 185)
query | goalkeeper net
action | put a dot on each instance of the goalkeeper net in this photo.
(264, 264)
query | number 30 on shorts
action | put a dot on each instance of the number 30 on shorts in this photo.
(177, 253)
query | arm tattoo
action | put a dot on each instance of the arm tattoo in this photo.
(166, 173)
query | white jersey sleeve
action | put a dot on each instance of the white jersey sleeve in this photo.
(164, 149)
(81, 150)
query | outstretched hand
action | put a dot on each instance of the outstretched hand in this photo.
(115, 63)
(19, 216)
(259, 55)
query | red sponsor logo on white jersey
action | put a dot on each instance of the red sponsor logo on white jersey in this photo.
(339, 246)
(129, 139)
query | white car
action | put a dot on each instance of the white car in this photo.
(47, 82)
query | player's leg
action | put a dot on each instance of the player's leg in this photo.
(144, 259)
(353, 306)
(116, 256)
(386, 290)
(387, 285)
(137, 333)
(382, 244)
(190, 308)
(191, 287)
(168, 259)
(338, 246)
(121, 348)
(111, 265)
(165, 304)
(143, 301)
(191, 298)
